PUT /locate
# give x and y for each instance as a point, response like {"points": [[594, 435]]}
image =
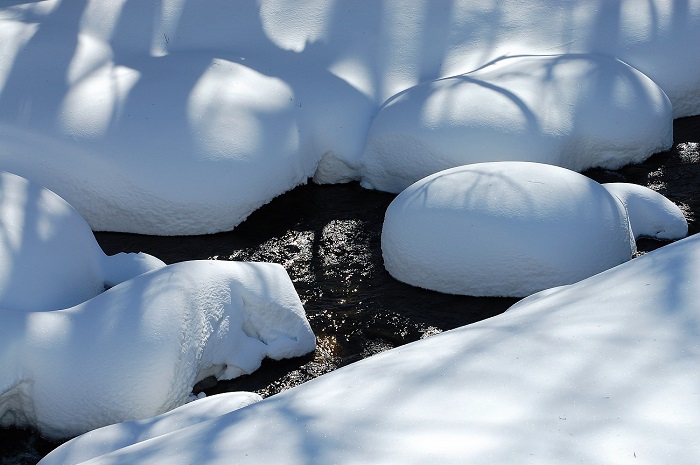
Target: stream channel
{"points": [[328, 239]]}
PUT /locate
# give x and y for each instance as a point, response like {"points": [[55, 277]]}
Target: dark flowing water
{"points": [[328, 239]]}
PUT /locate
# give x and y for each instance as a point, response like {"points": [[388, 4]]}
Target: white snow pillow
{"points": [[508, 229], [575, 111], [137, 349]]}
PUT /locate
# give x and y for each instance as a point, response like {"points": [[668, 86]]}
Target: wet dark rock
{"points": [[23, 446]]}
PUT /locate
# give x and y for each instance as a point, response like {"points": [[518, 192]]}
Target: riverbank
{"points": [[328, 239]]}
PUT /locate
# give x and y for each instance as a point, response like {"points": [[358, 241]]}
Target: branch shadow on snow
{"points": [[557, 368], [579, 393], [156, 62], [18, 104]]}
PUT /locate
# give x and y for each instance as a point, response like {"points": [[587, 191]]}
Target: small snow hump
{"points": [[651, 214]]}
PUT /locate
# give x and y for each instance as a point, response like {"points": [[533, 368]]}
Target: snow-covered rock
{"points": [[182, 118], [504, 229], [601, 371], [137, 349], [110, 438], [228, 132], [74, 357], [49, 258], [574, 111], [651, 214], [515, 228]]}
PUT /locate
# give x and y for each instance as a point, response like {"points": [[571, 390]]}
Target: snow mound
{"points": [[137, 349], [183, 119], [601, 371], [123, 266], [651, 214], [504, 229], [113, 437], [49, 259], [235, 137], [574, 111]]}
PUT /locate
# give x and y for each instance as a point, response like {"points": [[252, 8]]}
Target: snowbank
{"points": [[116, 106], [651, 214], [121, 435], [574, 111], [137, 349], [49, 259], [228, 130], [504, 229], [602, 371]]}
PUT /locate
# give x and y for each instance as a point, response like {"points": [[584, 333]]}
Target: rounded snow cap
{"points": [[504, 229]]}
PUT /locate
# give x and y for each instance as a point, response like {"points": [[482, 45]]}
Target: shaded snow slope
{"points": [[504, 229], [574, 111], [49, 258], [120, 435], [137, 349], [602, 371], [118, 105]]}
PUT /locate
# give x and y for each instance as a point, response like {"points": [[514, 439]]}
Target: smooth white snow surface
{"points": [[651, 214], [110, 438], [49, 258], [504, 229], [602, 371], [183, 117], [137, 349], [574, 111]]}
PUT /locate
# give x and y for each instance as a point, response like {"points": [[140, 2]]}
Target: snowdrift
{"points": [[121, 435], [137, 349], [602, 371], [74, 357], [184, 117], [515, 228], [573, 111], [651, 214]]}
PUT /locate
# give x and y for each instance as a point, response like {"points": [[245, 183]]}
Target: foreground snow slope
{"points": [[117, 105], [515, 228], [137, 349], [602, 371], [120, 435]]}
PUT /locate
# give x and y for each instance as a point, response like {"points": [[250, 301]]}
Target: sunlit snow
{"points": [[137, 349], [74, 356], [184, 117], [504, 229], [121, 435], [651, 214], [602, 371]]}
